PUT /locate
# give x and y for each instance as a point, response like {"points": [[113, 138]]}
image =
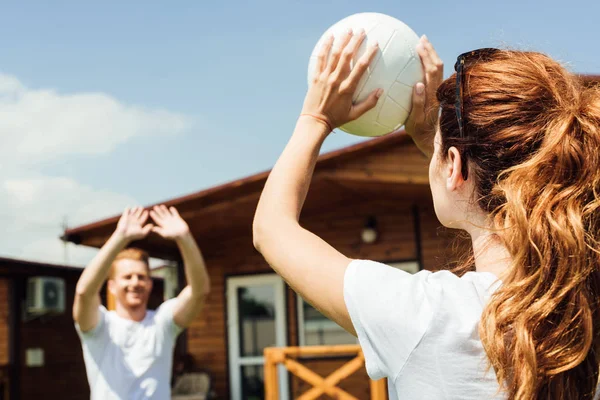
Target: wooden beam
{"points": [[379, 389], [271, 384], [320, 385], [372, 177], [274, 356], [332, 380], [225, 205], [296, 351]]}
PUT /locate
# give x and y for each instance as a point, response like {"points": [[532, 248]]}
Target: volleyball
{"points": [[395, 69]]}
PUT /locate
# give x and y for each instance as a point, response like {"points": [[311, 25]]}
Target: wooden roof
{"points": [[389, 167], [12, 267], [591, 79]]}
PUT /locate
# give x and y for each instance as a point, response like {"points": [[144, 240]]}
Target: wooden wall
{"points": [[396, 163], [63, 374]]}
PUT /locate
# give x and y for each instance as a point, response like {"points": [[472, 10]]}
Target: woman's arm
{"points": [[307, 263]]}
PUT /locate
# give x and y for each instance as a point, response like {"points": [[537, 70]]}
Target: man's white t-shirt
{"points": [[421, 330], [126, 359]]}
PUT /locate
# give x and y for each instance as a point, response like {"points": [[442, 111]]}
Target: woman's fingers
{"points": [[433, 67], [331, 93], [361, 66], [433, 77], [426, 60], [348, 54], [365, 105], [417, 113], [337, 52], [435, 58], [324, 54]]}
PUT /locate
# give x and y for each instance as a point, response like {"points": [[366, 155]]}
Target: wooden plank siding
{"points": [[62, 376], [404, 164], [63, 373], [386, 178]]}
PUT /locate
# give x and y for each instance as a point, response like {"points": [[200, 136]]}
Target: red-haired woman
{"points": [[515, 163]]}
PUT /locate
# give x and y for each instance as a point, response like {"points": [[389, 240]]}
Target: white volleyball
{"points": [[396, 69]]}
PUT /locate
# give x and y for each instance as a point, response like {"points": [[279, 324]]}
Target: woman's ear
{"points": [[453, 167]]}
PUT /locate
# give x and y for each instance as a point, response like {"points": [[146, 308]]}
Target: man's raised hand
{"points": [[132, 224], [169, 223]]}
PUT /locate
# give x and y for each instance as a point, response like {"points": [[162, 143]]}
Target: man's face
{"points": [[131, 284]]}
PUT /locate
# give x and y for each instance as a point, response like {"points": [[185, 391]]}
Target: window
{"points": [[408, 266], [314, 329]]}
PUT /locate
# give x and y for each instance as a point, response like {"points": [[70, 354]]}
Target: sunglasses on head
{"points": [[462, 62]]}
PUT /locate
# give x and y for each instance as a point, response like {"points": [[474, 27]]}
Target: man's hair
{"points": [[134, 254]]}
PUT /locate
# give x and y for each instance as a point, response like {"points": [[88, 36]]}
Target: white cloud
{"points": [[38, 125], [33, 210], [41, 124]]}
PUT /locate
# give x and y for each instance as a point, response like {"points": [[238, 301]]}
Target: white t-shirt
{"points": [[421, 331], [126, 359]]}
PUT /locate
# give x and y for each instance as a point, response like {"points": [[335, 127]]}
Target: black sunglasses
{"points": [[460, 65], [461, 62]]}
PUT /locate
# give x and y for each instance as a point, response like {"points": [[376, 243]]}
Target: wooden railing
{"points": [[287, 356]]}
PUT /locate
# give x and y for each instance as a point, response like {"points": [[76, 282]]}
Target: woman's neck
{"points": [[489, 252]]}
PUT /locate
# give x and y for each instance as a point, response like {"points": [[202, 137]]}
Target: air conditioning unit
{"points": [[45, 295]]}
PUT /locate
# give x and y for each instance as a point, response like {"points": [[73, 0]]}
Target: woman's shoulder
{"points": [[439, 287], [434, 277]]}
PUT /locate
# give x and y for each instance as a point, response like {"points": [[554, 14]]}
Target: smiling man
{"points": [[128, 352]]}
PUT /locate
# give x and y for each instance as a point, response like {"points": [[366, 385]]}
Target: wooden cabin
{"points": [[371, 200]]}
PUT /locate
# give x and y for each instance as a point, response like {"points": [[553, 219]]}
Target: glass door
{"points": [[256, 319]]}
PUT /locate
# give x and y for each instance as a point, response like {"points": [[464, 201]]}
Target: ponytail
{"points": [[536, 165]]}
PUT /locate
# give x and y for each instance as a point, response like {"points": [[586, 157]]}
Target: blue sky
{"points": [[229, 78]]}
